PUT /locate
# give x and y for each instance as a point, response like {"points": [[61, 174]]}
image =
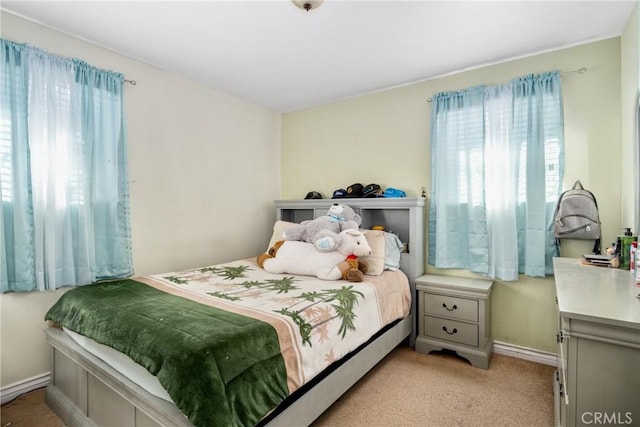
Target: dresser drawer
{"points": [[452, 307], [451, 330]]}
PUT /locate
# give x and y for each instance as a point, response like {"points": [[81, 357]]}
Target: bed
{"points": [[313, 339]]}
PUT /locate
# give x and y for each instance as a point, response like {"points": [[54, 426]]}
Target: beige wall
{"points": [[204, 167], [384, 138]]}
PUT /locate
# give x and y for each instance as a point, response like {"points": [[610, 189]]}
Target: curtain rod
{"points": [[566, 73], [578, 71], [132, 82]]}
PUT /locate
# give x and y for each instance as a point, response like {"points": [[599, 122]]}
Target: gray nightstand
{"points": [[455, 313]]}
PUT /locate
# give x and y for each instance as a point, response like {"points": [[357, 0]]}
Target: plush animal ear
{"points": [[351, 215], [352, 232]]}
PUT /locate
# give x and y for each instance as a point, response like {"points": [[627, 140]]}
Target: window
{"points": [[496, 172], [63, 173]]}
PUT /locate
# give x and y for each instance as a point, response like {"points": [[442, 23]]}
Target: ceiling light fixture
{"points": [[307, 4]]}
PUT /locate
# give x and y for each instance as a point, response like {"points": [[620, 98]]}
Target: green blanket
{"points": [[220, 368]]}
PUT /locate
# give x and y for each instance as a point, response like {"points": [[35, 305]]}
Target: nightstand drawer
{"points": [[453, 307], [451, 330]]}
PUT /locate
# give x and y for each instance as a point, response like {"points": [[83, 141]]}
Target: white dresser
{"points": [[598, 376]]}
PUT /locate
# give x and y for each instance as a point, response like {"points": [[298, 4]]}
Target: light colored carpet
{"points": [[405, 389], [440, 389]]}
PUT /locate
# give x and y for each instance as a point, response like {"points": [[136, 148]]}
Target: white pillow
{"points": [[385, 251], [278, 229], [376, 240]]}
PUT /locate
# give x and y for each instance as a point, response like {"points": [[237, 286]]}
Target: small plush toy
{"points": [[323, 231], [297, 257], [353, 269]]}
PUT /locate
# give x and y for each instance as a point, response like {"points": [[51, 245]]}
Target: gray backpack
{"points": [[577, 216]]}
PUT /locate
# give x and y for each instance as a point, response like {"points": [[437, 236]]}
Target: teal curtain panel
{"points": [[63, 172], [496, 174]]}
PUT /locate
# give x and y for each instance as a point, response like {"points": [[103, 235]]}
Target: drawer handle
{"points": [[444, 305], [455, 331]]}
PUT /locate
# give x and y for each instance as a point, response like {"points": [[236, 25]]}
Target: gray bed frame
{"points": [[86, 391]]}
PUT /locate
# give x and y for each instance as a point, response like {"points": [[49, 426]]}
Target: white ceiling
{"points": [[283, 58]]}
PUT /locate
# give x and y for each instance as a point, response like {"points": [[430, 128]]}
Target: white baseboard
{"points": [[525, 353], [10, 392]]}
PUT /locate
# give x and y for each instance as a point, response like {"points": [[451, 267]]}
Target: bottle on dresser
{"points": [[636, 271]]}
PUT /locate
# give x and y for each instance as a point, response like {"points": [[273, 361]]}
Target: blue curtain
{"points": [[496, 174], [457, 218], [65, 216], [17, 267]]}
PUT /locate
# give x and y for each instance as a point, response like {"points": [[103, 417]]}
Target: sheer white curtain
{"points": [[501, 166], [62, 252]]}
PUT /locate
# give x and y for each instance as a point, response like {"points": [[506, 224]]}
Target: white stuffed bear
{"points": [[302, 258], [323, 231]]}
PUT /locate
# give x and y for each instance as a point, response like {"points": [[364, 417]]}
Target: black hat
{"points": [[313, 195], [372, 190], [354, 190], [340, 193]]}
